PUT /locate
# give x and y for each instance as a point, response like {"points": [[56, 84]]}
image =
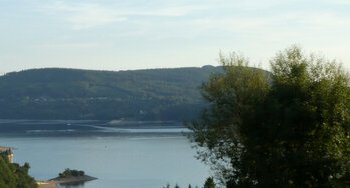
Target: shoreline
{"points": [[53, 183], [68, 180], [46, 184]]}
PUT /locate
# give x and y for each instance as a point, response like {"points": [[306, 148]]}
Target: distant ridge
{"points": [[58, 93]]}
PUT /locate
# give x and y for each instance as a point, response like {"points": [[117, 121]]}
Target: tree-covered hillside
{"points": [[157, 94]]}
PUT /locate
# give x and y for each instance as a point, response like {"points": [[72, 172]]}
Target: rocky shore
{"points": [[53, 183]]}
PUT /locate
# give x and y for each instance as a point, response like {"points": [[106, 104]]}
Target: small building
{"points": [[7, 152]]}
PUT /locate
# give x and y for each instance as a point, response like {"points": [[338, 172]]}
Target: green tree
{"points": [[287, 128], [209, 183], [71, 173], [14, 175]]}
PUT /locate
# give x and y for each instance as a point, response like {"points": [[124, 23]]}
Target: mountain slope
{"points": [[156, 94]]}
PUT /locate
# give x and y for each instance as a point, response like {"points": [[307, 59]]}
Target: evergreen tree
{"points": [[209, 183]]}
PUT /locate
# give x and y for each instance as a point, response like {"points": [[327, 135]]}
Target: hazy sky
{"points": [[138, 34]]}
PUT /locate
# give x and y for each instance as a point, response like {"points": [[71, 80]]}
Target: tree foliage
{"points": [[14, 175], [71, 173], [209, 183], [287, 128]]}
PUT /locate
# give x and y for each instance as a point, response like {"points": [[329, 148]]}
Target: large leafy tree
{"points": [[287, 128], [13, 175]]}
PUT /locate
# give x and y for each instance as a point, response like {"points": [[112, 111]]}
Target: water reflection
{"points": [[72, 185]]}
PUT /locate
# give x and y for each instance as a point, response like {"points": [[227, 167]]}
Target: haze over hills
{"points": [[54, 93]]}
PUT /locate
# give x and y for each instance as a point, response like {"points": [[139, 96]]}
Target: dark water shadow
{"points": [[71, 185]]}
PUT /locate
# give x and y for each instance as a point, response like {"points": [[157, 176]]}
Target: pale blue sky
{"points": [[138, 34]]}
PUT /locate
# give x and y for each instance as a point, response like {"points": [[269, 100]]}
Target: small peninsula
{"points": [[68, 176]]}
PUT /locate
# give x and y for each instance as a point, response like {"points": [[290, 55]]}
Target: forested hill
{"points": [[156, 94]]}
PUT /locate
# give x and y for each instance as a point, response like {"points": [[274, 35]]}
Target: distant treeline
{"points": [[156, 94]]}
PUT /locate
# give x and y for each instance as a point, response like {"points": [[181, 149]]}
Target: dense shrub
{"points": [[14, 175], [71, 173]]}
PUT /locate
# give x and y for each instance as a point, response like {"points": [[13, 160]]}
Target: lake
{"points": [[138, 156]]}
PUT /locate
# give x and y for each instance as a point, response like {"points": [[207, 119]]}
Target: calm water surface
{"points": [[119, 161]]}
